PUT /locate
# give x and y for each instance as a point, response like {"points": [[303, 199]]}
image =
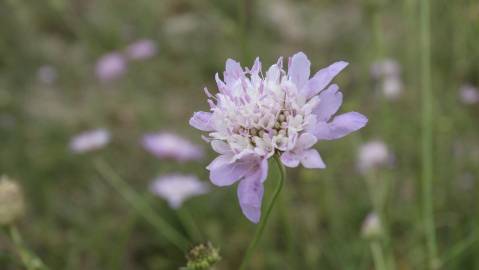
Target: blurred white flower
{"points": [[469, 94], [169, 145], [12, 205], [387, 74], [141, 49], [372, 155], [90, 140], [110, 66], [372, 226], [47, 74], [177, 188], [392, 87], [384, 68]]}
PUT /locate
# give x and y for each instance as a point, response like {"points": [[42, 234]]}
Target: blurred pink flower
{"points": [[372, 155], [142, 49], [371, 227], [90, 140], [111, 66], [469, 94], [169, 145], [176, 188]]}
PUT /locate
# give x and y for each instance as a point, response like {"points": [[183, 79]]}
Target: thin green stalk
{"points": [[265, 216], [427, 142], [29, 260], [459, 249], [140, 205], [378, 255], [189, 223]]}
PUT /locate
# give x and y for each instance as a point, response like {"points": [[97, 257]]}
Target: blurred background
{"points": [[86, 80]]}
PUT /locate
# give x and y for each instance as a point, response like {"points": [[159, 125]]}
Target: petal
{"points": [[329, 102], [202, 121], [226, 174], [312, 160], [341, 126], [299, 69], [306, 140], [250, 192], [220, 147], [233, 71], [323, 77], [289, 160]]}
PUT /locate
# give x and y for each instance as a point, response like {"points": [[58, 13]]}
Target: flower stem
{"points": [[265, 217], [427, 126], [140, 205], [29, 260], [189, 223], [378, 256]]}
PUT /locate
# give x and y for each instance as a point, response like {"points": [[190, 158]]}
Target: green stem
{"points": [[140, 205], [264, 218], [427, 126], [29, 260], [378, 256], [189, 223]]}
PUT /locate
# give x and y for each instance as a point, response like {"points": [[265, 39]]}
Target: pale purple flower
{"points": [[90, 140], [177, 188], [168, 145], [47, 74], [387, 74], [256, 115], [469, 94], [372, 226], [373, 154], [111, 66], [141, 50]]}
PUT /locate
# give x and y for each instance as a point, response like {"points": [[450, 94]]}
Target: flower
{"points": [[372, 155], [387, 74], [169, 145], [12, 205], [176, 188], [90, 140], [141, 49], [255, 116], [47, 74], [110, 66], [372, 227], [469, 94]]}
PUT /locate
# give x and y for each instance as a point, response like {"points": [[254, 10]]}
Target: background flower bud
{"points": [[202, 257], [372, 227], [11, 201]]}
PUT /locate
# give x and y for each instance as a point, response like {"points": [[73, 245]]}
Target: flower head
{"points": [[169, 145], [387, 74], [141, 49], [12, 204], [176, 188], [372, 155], [469, 94], [111, 66], [372, 227], [202, 257], [90, 140], [256, 115]]}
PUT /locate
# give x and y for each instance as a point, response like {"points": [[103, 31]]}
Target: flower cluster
{"points": [[176, 188], [256, 115]]}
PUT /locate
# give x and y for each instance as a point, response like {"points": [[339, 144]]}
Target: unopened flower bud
{"points": [[372, 227], [11, 201], [202, 257]]}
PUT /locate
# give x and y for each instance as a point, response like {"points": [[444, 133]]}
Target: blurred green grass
{"points": [[76, 221]]}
